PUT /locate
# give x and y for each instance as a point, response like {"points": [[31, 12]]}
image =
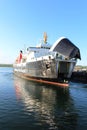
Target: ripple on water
{"points": [[27, 105]]}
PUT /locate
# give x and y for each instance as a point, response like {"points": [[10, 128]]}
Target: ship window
{"points": [[46, 47], [57, 55]]}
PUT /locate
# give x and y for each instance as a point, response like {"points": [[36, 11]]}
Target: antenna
{"points": [[24, 49]]}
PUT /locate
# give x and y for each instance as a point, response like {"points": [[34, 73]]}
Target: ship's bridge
{"points": [[38, 51], [44, 45]]}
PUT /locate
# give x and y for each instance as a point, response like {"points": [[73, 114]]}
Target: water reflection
{"points": [[52, 107]]}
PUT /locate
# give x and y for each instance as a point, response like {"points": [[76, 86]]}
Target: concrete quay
{"points": [[79, 76]]}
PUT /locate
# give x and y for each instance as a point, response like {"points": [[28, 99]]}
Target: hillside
{"points": [[6, 65]]}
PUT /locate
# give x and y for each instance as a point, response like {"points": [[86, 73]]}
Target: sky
{"points": [[23, 22]]}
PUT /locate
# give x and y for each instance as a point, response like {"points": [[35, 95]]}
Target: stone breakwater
{"points": [[79, 76]]}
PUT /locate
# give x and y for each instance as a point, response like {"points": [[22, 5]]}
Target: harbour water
{"points": [[26, 105]]}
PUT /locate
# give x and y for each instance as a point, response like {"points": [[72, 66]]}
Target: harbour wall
{"points": [[79, 76]]}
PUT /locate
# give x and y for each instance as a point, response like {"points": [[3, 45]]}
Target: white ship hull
{"points": [[54, 69]]}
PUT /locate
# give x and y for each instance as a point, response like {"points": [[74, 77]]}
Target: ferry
{"points": [[48, 63]]}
